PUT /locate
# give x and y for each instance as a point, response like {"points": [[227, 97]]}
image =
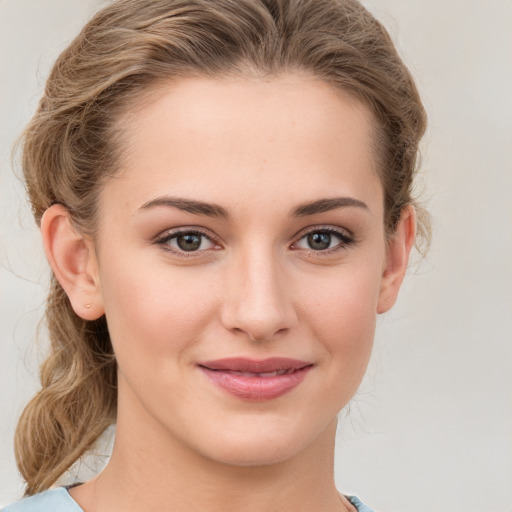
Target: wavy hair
{"points": [[72, 145]]}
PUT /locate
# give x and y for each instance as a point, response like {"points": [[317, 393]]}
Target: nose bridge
{"points": [[258, 302]]}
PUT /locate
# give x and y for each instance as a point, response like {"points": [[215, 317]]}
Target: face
{"points": [[240, 261]]}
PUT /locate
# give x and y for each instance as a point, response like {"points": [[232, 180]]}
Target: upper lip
{"points": [[242, 364]]}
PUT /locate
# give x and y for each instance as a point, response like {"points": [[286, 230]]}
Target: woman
{"points": [[224, 195]]}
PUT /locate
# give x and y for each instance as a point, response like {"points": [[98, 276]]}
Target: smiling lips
{"points": [[256, 380]]}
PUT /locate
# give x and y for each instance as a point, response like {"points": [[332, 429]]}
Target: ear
{"points": [[397, 258], [73, 262]]}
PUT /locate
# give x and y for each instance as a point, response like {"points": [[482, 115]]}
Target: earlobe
{"points": [[73, 261], [397, 258]]}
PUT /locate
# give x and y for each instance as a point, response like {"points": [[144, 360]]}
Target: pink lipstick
{"points": [[258, 380]]}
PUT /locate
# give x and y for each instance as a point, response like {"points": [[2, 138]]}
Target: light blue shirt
{"points": [[59, 500]]}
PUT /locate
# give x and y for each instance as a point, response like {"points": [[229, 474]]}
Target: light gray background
{"points": [[431, 427]]}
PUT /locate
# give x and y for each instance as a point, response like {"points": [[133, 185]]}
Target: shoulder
{"points": [[59, 500], [53, 500], [360, 506]]}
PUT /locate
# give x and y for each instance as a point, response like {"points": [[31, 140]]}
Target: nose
{"points": [[258, 298]]}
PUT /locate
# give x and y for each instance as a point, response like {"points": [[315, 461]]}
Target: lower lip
{"points": [[254, 387]]}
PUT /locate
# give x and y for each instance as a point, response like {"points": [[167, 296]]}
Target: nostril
{"points": [[259, 309]]}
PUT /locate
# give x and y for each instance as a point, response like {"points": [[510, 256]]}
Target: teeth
{"points": [[263, 374]]}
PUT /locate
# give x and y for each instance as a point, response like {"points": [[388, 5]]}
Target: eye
{"points": [[324, 240], [186, 241]]}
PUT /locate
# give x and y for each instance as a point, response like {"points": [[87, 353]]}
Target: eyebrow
{"points": [[187, 205], [325, 205], [214, 210]]}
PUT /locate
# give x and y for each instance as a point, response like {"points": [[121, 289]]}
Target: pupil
{"points": [[189, 242], [319, 241]]}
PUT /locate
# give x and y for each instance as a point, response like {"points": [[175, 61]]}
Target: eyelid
{"points": [[346, 238], [169, 234]]}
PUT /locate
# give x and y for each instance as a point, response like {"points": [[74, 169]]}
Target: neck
{"points": [[151, 470]]}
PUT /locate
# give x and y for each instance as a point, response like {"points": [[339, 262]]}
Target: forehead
{"points": [[223, 139]]}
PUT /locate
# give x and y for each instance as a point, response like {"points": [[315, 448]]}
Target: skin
{"points": [[259, 150]]}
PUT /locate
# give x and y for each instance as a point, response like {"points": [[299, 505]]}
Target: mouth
{"points": [[256, 380]]}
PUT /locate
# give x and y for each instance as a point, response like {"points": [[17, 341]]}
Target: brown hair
{"points": [[70, 147]]}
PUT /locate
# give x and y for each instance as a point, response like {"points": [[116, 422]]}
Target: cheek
{"points": [[151, 310], [342, 314]]}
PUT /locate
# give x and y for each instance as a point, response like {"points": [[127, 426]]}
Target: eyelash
{"points": [[345, 240], [164, 240]]}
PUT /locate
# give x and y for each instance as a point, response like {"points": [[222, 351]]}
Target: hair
{"points": [[72, 145]]}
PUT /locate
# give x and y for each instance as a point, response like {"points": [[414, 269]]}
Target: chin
{"points": [[257, 455], [264, 447]]}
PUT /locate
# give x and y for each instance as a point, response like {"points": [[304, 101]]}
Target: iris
{"points": [[319, 240]]}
